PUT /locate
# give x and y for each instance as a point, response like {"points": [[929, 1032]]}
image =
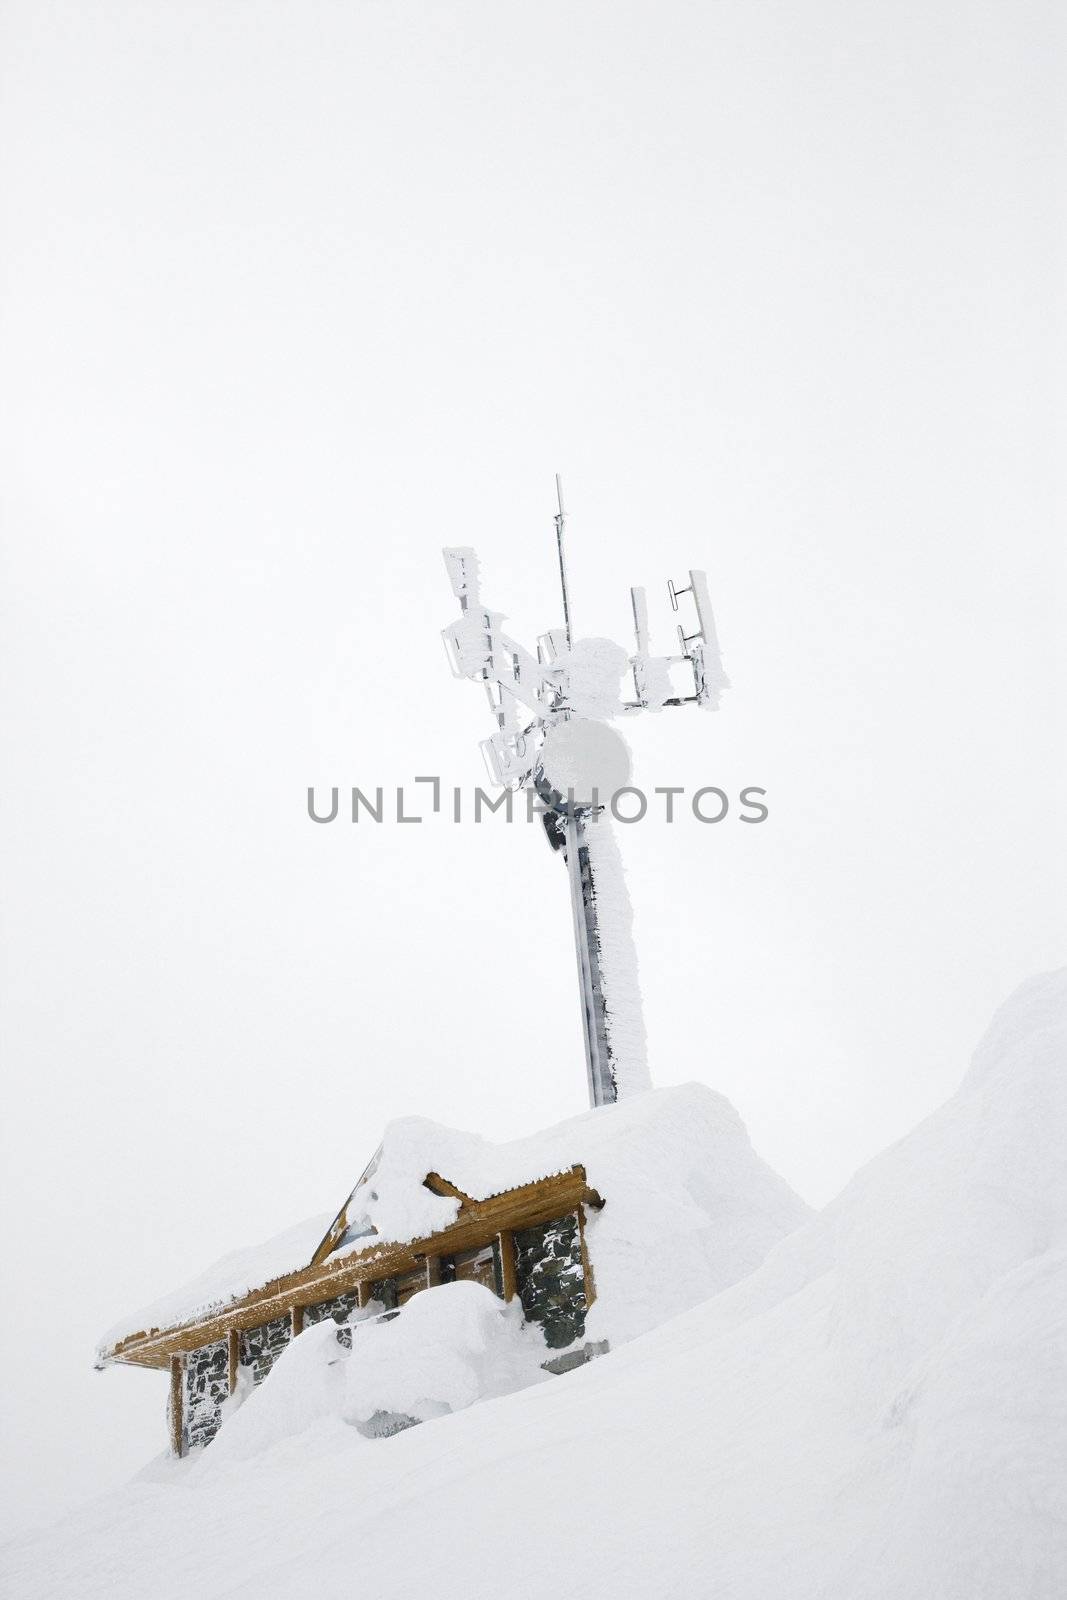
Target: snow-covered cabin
{"points": [[599, 1228]]}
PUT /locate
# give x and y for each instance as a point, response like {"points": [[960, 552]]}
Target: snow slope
{"points": [[876, 1413]]}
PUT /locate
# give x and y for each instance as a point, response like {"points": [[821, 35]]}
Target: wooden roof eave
{"points": [[336, 1231], [478, 1223]]}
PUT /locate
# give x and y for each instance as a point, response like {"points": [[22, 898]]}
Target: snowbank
{"points": [[877, 1413], [446, 1350], [686, 1195], [930, 1226], [306, 1386]]}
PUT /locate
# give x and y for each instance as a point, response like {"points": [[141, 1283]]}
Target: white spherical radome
{"points": [[586, 757]]}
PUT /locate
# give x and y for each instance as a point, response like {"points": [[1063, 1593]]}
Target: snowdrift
{"points": [[442, 1353], [876, 1413]]}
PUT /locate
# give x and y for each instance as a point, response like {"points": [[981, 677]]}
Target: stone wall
{"points": [[207, 1385], [340, 1309], [384, 1291], [550, 1279], [260, 1347]]}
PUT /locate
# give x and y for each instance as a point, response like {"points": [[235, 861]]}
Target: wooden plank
{"points": [[476, 1266], [177, 1398], [587, 1265], [441, 1186], [412, 1283], [433, 1271], [506, 1245], [516, 1208]]}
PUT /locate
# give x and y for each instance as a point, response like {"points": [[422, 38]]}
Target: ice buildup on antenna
{"points": [[552, 711]]}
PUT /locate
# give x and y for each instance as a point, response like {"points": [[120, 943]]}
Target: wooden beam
{"points": [[474, 1228], [448, 1191], [433, 1271], [336, 1231], [177, 1385], [505, 1240], [587, 1265], [296, 1320], [233, 1357]]}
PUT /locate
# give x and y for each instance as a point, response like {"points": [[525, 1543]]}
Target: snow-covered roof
{"points": [[228, 1279], [675, 1166]]}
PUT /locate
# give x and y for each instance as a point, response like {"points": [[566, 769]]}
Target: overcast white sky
{"points": [[293, 295]]}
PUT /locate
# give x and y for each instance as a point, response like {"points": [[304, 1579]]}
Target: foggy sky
{"points": [[295, 294]]}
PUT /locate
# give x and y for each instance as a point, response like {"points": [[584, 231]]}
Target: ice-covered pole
{"points": [[616, 1052]]}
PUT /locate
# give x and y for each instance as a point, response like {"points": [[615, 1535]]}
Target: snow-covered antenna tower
{"points": [[552, 713]]}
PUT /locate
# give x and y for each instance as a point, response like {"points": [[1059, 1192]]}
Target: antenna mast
{"points": [[553, 712], [561, 521]]}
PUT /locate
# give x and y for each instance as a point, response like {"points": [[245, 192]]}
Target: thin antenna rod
{"points": [[561, 518]]}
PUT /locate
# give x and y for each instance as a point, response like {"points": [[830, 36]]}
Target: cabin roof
{"points": [[408, 1192], [683, 1184], [353, 1271]]}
